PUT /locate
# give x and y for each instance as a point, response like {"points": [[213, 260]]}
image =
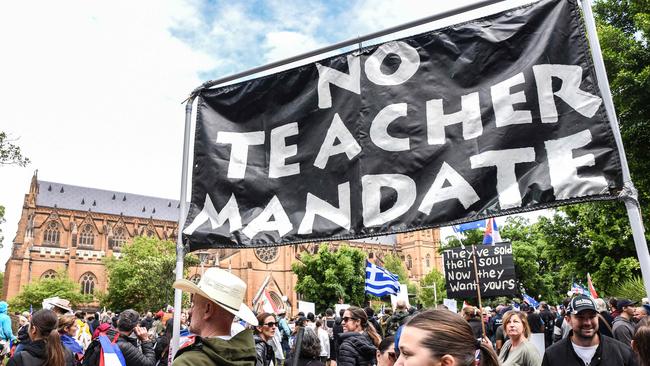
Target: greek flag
{"points": [[380, 282]]}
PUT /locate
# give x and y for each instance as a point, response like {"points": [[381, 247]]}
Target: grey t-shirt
{"points": [[526, 354]]}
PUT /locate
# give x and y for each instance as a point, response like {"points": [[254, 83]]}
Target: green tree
{"points": [[61, 285], [10, 153], [142, 277], [331, 276], [468, 238], [395, 265], [426, 294], [2, 220]]}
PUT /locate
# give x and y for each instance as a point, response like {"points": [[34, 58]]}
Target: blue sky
{"points": [[92, 90]]}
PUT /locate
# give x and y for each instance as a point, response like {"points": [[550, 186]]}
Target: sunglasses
{"points": [[271, 324], [347, 319]]}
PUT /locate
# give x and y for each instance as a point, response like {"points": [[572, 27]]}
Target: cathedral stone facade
{"points": [[66, 227]]}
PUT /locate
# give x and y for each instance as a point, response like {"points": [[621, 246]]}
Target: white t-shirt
{"points": [[324, 342], [585, 353]]}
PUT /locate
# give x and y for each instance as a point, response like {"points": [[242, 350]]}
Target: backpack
{"points": [[395, 321]]}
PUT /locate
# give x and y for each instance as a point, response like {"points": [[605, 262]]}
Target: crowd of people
{"points": [[219, 329]]}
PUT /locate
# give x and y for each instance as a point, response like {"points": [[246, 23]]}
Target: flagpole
{"points": [[629, 194], [180, 252], [478, 288]]}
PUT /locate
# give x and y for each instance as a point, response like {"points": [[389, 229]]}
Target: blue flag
{"points": [[469, 226], [531, 301], [379, 281]]}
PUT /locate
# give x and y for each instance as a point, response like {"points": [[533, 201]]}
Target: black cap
{"points": [[581, 303], [623, 303]]}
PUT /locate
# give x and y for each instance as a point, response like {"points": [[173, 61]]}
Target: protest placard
{"points": [[495, 269]]}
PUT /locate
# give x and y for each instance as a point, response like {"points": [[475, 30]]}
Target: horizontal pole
{"points": [[350, 42]]}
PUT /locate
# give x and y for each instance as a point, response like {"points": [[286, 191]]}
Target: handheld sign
{"points": [[496, 271]]}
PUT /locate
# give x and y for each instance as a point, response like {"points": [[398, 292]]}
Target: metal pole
{"points": [[628, 195], [298, 347], [350, 42], [435, 294], [180, 252]]}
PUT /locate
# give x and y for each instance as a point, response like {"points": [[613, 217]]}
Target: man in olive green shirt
{"points": [[216, 300]]}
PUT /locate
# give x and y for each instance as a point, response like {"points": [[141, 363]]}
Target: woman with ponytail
{"points": [[440, 337], [359, 340], [45, 348]]}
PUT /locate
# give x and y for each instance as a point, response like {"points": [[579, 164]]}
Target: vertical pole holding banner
{"points": [[628, 194], [298, 347], [435, 294], [180, 252], [478, 289]]}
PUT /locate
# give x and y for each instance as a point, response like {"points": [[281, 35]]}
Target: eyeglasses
{"points": [[271, 324], [347, 319]]}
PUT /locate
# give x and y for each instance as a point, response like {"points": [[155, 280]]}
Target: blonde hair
{"points": [[522, 316], [66, 321]]}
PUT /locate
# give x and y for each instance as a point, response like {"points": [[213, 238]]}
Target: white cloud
{"points": [[281, 45], [93, 90]]}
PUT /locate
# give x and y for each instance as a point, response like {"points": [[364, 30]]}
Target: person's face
{"points": [[584, 324], [514, 327], [196, 313], [639, 313], [183, 318], [72, 330], [388, 357], [412, 353], [350, 323], [268, 327], [629, 310]]}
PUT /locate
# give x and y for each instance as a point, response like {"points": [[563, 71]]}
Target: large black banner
{"points": [[495, 268], [494, 116]]}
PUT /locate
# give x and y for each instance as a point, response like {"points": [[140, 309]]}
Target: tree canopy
{"points": [[331, 276], [395, 265], [10, 153], [33, 294], [142, 277], [427, 293]]}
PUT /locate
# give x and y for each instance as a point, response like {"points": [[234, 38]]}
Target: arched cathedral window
{"points": [[48, 275], [87, 236], [51, 234], [428, 260], [119, 238], [88, 282], [409, 262]]}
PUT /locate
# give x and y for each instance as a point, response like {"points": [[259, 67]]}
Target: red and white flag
{"points": [[269, 306], [592, 289]]}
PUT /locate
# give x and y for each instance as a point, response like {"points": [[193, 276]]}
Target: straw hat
{"points": [[224, 289]]}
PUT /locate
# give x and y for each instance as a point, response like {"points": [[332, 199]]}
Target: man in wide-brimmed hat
{"points": [[216, 300]]}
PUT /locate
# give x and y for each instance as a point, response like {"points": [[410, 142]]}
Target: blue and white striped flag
{"points": [[380, 282]]}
